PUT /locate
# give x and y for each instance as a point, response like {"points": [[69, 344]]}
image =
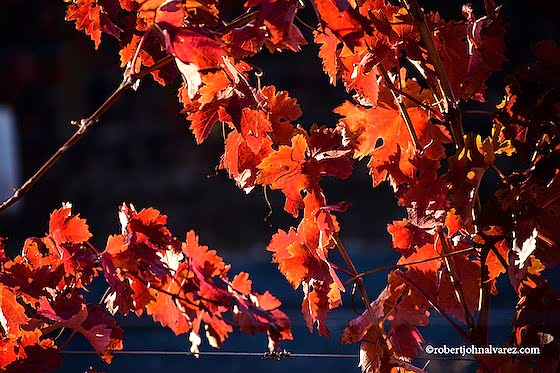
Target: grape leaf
{"points": [[328, 52], [92, 17], [345, 22], [282, 111], [278, 17], [364, 128], [12, 314], [470, 53], [283, 168], [301, 256], [240, 161], [26, 353], [183, 285]]}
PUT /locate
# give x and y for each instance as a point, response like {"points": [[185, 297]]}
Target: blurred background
{"points": [[142, 152]]}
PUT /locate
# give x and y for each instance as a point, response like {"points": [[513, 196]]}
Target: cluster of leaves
{"points": [[409, 73], [182, 285]]}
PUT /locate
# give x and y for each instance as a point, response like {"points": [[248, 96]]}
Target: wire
{"points": [[276, 355], [219, 353]]}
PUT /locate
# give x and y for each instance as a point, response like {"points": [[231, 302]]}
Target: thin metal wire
{"points": [[214, 353], [248, 354]]}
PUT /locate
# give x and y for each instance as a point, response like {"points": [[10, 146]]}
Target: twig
{"points": [[434, 304], [483, 310], [479, 112], [306, 25], [139, 48], [361, 288], [403, 111], [417, 14], [392, 87], [502, 260], [375, 323], [97, 253], [240, 21], [454, 279], [499, 172], [404, 265], [406, 365], [63, 344], [336, 266], [84, 126]]}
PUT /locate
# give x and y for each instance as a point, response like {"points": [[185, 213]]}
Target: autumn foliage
{"points": [[408, 74]]}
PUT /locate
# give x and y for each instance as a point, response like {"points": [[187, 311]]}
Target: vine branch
{"points": [[455, 281], [483, 301], [434, 304], [404, 265], [417, 14], [360, 284], [423, 105], [84, 125], [403, 111]]}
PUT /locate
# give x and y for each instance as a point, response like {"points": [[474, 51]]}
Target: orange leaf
{"points": [[282, 169]]}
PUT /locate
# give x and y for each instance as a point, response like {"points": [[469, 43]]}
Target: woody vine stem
{"points": [[83, 126]]}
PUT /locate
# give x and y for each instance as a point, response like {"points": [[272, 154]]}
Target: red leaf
{"points": [[302, 260], [242, 283], [405, 340], [255, 128], [245, 41], [166, 310], [91, 321], [240, 161], [189, 44], [12, 314], [65, 227], [366, 127], [91, 17], [318, 300], [203, 120], [102, 332], [194, 46], [26, 353], [3, 257], [278, 17], [283, 110], [425, 276], [206, 260], [470, 53], [345, 22], [373, 357], [328, 52], [292, 257], [282, 169], [407, 237]]}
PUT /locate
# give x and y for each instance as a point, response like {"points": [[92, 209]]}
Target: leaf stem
{"points": [[392, 87], [84, 126], [67, 340], [455, 282], [361, 288], [417, 14], [483, 311], [344, 270], [479, 112], [399, 266], [403, 111], [240, 21], [434, 304]]}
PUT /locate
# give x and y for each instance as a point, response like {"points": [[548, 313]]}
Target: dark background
{"points": [[142, 152]]}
